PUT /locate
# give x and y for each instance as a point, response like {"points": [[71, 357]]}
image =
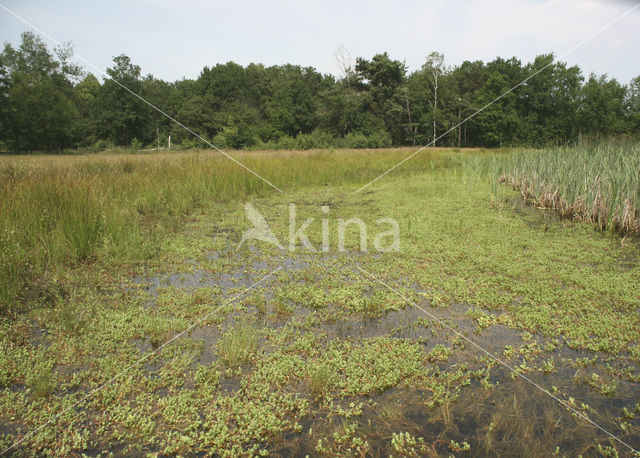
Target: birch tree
{"points": [[435, 68]]}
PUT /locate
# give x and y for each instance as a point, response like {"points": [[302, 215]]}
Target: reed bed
{"points": [[598, 183]]}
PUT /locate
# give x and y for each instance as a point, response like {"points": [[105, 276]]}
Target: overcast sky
{"points": [[176, 38]]}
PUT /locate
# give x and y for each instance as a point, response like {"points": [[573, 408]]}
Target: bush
{"points": [[378, 139], [284, 142], [193, 143], [102, 145], [355, 140], [316, 139], [136, 144]]}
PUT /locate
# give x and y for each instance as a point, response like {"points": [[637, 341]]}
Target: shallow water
{"points": [[526, 420], [512, 417]]}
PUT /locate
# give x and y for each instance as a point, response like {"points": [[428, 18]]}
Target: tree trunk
{"points": [[435, 103], [459, 129], [411, 129]]}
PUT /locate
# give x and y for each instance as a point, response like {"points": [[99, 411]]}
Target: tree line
{"points": [[51, 104]]}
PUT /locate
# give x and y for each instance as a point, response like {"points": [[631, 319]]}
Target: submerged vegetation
{"points": [[105, 258]]}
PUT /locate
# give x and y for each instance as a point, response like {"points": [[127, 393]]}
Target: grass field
{"points": [[104, 258]]}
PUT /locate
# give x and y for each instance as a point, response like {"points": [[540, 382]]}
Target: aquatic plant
{"points": [[598, 183], [236, 346]]}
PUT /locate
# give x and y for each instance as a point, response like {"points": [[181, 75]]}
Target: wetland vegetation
{"points": [[104, 258]]}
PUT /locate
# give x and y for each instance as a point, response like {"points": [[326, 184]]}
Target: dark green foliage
{"points": [[602, 107], [633, 103], [382, 79], [39, 107], [123, 117], [49, 105]]}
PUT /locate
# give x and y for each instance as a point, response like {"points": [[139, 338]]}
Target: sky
{"points": [[172, 39]]}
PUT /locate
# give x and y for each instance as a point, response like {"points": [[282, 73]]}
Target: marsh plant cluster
{"points": [[105, 258], [298, 235]]}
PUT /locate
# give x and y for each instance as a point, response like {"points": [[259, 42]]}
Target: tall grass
{"points": [[598, 183], [58, 211]]}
